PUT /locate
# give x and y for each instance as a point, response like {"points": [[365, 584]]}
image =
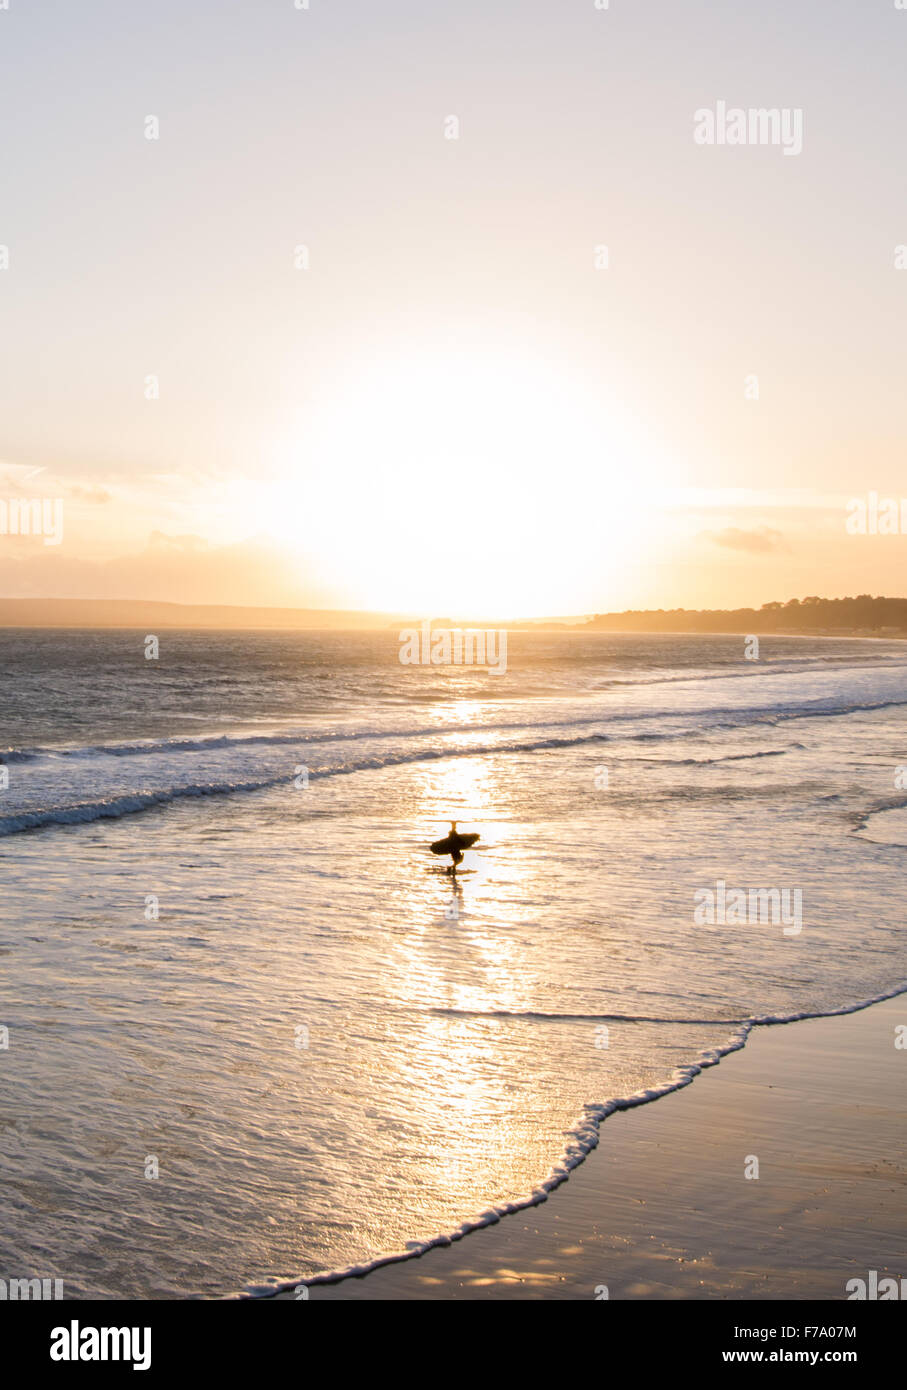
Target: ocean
{"points": [[255, 1030]]}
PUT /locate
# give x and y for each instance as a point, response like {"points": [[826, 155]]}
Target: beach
{"points": [[453, 717], [662, 1208], [257, 1032]]}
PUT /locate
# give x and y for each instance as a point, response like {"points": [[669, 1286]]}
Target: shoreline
{"points": [[662, 1207]]}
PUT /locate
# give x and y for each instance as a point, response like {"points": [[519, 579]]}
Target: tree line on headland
{"points": [[863, 615]]}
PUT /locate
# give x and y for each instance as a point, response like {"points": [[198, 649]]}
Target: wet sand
{"points": [[663, 1207]]}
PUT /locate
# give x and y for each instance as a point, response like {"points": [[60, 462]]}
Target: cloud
{"points": [[761, 541], [184, 545], [88, 494], [20, 480], [174, 568]]}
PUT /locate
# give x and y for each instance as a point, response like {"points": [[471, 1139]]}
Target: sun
{"points": [[460, 485]]}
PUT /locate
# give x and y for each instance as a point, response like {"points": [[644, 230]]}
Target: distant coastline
{"points": [[863, 616]]}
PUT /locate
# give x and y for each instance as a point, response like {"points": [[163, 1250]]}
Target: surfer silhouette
{"points": [[454, 845]]}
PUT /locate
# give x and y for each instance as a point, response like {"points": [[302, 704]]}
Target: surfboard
{"points": [[452, 842]]}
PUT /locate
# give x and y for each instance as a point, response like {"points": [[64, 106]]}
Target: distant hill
{"points": [[823, 617], [150, 615], [863, 616]]}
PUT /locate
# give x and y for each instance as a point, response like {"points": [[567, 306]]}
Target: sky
{"points": [[307, 348]]}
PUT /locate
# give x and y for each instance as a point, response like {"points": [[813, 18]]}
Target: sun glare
{"points": [[461, 487]]}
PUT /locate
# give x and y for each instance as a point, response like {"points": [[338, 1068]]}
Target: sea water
{"points": [[255, 1032]]}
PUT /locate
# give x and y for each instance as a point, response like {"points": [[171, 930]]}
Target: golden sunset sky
{"points": [[451, 409]]}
